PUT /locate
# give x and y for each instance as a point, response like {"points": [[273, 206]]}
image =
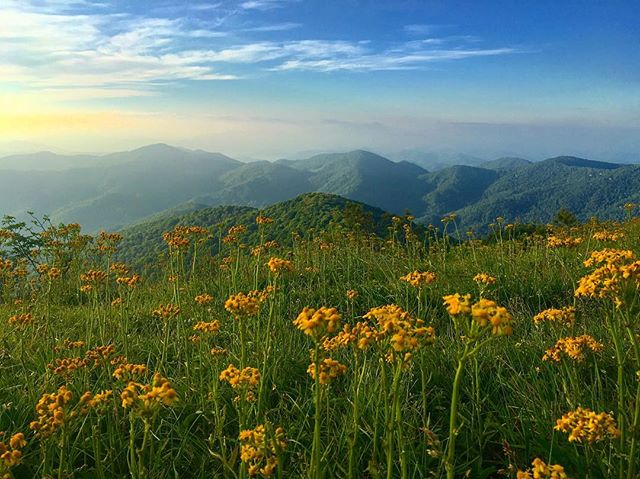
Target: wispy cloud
{"points": [[51, 45], [361, 56], [87, 47], [276, 27], [263, 4]]}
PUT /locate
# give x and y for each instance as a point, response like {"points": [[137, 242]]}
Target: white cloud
{"points": [[56, 44], [276, 27], [386, 61], [326, 56], [262, 4], [50, 45]]}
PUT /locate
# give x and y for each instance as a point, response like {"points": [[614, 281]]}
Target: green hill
{"points": [[367, 177], [536, 192], [316, 212], [454, 188]]}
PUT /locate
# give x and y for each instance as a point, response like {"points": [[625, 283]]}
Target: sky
{"points": [[278, 78]]}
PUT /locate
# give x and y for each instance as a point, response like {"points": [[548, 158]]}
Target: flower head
{"points": [[419, 279], [260, 448], [541, 470], [573, 348], [584, 425], [317, 323], [457, 304], [329, 369], [485, 279], [566, 316], [278, 265]]}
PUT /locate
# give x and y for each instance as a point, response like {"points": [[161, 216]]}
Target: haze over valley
{"points": [[114, 190]]}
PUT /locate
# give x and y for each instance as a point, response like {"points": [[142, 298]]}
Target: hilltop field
{"points": [[320, 339]]}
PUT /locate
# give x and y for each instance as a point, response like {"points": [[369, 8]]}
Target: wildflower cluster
{"points": [[11, 453], [168, 311], [540, 470], [608, 235], [609, 256], [93, 276], [457, 304], [486, 312], [484, 278], [207, 327], [93, 357], [53, 412], [268, 245], [203, 299], [22, 319], [99, 354], [244, 305], [278, 265], [584, 425], [566, 316], [130, 281], [51, 272], [146, 399], [91, 279], [419, 279], [245, 380], [66, 366], [260, 449], [234, 233], [108, 242], [6, 265], [574, 348], [98, 402], [612, 276], [317, 323], [392, 325], [127, 371], [181, 236], [329, 369], [563, 242]]}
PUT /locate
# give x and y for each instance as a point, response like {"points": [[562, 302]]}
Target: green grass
{"points": [[509, 398]]}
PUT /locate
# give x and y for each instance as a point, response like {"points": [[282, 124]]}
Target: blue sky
{"points": [[269, 78]]}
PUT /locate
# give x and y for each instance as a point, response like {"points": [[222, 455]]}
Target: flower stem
{"points": [[453, 416]]}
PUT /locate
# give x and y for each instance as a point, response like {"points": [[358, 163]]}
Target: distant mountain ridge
{"points": [[112, 191]]}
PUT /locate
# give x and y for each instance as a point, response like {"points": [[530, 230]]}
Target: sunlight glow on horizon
{"points": [[268, 79]]}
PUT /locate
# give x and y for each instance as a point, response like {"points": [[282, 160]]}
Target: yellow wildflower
{"points": [[566, 315], [541, 470], [278, 265], [573, 348], [203, 299], [483, 278], [241, 305], [318, 322], [419, 279], [260, 448], [329, 369], [584, 425], [457, 304]]}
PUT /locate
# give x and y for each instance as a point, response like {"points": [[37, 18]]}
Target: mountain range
{"points": [[116, 190]]}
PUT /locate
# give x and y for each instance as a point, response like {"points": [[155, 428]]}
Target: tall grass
{"points": [[450, 409]]}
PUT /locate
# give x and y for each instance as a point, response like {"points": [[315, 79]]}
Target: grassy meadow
{"points": [[343, 355]]}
